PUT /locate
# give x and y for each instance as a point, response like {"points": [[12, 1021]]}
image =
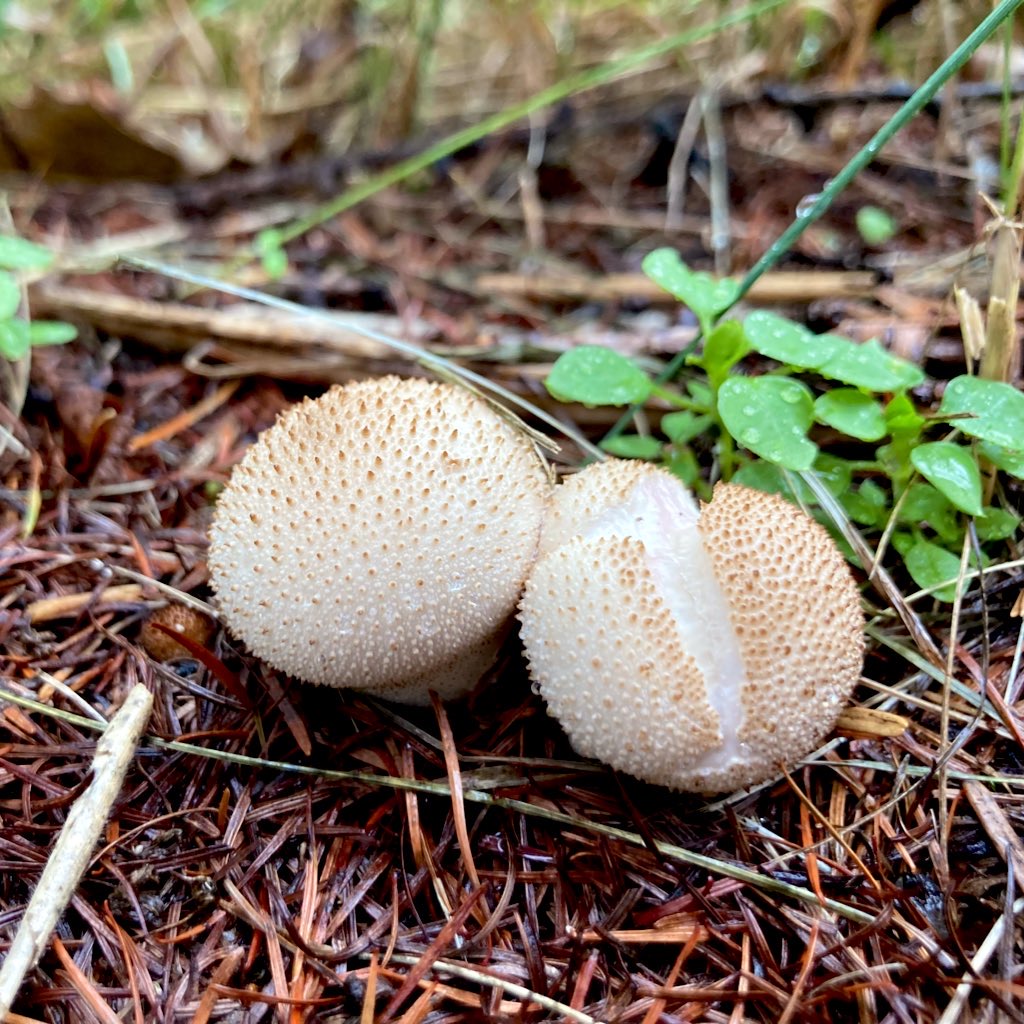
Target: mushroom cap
{"points": [[378, 537], [692, 649]]}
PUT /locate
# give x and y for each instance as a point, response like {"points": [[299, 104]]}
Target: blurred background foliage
{"points": [[166, 87]]}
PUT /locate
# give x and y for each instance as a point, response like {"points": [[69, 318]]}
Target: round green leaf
{"points": [[997, 524], [787, 342], [869, 366], [834, 472], [902, 418], [771, 417], [705, 295], [951, 469], [1009, 460], [851, 412], [597, 376], [700, 393], [681, 427], [272, 254], [930, 565], [868, 505], [632, 446], [763, 476], [682, 462], [18, 254], [10, 296], [723, 348], [997, 408], [876, 226], [924, 505], [14, 339], [50, 332]]}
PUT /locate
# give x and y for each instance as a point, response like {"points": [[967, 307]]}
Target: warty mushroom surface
{"points": [[696, 648], [378, 537]]}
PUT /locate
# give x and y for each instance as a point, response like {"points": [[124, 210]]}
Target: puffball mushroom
{"points": [[378, 538], [695, 648]]}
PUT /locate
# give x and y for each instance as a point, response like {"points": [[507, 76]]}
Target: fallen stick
{"points": [[73, 850], [779, 286]]}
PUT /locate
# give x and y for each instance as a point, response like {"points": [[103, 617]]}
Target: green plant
{"points": [[875, 226], [17, 335], [924, 477]]}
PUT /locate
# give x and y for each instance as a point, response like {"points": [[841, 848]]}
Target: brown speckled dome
{"points": [[696, 650], [378, 537]]}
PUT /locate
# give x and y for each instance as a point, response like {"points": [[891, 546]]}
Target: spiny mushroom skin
{"points": [[693, 648], [378, 538]]}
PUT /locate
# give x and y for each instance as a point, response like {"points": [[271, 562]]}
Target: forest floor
{"points": [[289, 853]]}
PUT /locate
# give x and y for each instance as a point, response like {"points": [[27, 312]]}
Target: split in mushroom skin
{"points": [[378, 538], [695, 649]]}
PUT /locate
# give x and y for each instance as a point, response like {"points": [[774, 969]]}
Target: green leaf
{"points": [[835, 473], [868, 505], [998, 409], [50, 332], [771, 417], [10, 296], [930, 565], [997, 524], [903, 542], [905, 424], [876, 227], [764, 476], [952, 470], [632, 446], [274, 263], [597, 376], [19, 254], [1009, 460], [723, 349], [902, 418], [772, 479], [700, 393], [851, 412], [705, 295], [272, 254], [869, 366], [683, 463], [14, 339], [787, 342], [925, 505], [681, 427]]}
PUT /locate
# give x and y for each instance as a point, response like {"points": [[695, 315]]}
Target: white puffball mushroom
{"points": [[378, 538], [695, 648]]}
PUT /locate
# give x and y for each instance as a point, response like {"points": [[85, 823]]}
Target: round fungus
{"points": [[692, 647], [378, 538]]}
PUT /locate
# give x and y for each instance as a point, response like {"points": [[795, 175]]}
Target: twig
{"points": [[467, 972], [48, 608], [680, 162], [780, 286], [718, 187], [73, 850], [985, 951]]}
